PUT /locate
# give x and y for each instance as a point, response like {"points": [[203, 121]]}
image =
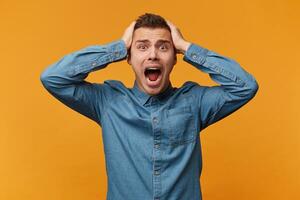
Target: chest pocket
{"points": [[181, 126]]}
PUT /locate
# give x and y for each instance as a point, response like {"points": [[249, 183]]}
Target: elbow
{"points": [[252, 88], [45, 78]]}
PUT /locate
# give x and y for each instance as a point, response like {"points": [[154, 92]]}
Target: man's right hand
{"points": [[179, 42], [127, 36]]}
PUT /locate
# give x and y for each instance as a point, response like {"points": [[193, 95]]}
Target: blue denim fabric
{"points": [[151, 143]]}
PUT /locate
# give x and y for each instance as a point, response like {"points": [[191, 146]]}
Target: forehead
{"points": [[152, 34]]}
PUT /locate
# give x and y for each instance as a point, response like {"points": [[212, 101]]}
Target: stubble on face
{"points": [[152, 48]]}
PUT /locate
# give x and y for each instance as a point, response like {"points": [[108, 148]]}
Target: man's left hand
{"points": [[179, 42]]}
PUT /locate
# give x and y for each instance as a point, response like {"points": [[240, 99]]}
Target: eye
{"points": [[164, 47], [142, 47]]}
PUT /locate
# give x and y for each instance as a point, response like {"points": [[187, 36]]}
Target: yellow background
{"points": [[50, 152]]}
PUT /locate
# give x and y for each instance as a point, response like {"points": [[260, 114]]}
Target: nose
{"points": [[153, 54]]}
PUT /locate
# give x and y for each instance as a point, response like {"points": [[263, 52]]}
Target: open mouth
{"points": [[152, 73]]}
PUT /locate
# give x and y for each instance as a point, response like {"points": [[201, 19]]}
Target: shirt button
{"points": [[194, 56], [156, 172], [218, 69], [94, 64], [116, 54], [155, 120], [156, 146]]}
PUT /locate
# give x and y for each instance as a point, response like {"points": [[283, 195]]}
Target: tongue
{"points": [[153, 76]]}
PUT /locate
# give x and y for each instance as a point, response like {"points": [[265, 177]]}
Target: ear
{"points": [[128, 59], [129, 56], [175, 59]]}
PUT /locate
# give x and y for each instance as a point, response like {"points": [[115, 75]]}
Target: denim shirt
{"points": [[151, 143]]}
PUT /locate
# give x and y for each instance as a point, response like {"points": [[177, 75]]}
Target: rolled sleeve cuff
{"points": [[196, 53], [117, 50]]}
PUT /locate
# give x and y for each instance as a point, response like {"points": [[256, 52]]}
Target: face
{"points": [[152, 59]]}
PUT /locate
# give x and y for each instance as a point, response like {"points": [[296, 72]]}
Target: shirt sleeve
{"points": [[64, 79], [236, 86]]}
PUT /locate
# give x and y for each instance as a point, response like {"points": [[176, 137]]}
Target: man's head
{"points": [[152, 54]]}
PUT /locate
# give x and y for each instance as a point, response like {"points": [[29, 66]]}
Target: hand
{"points": [[180, 44], [127, 36]]}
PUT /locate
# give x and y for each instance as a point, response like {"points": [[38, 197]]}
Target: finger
{"points": [[132, 24], [172, 26]]}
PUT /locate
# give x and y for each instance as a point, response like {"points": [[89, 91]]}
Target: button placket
{"points": [[155, 120], [156, 133], [156, 154]]}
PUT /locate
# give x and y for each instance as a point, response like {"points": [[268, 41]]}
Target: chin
{"points": [[153, 88], [153, 91]]}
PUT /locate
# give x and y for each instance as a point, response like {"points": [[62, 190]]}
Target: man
{"points": [[151, 131]]}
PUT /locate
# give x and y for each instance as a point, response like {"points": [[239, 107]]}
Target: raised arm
{"points": [[236, 88], [64, 79]]}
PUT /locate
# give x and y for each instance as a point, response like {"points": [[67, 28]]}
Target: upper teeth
{"points": [[153, 68]]}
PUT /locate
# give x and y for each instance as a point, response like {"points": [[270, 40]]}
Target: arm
{"points": [[64, 79], [236, 88]]}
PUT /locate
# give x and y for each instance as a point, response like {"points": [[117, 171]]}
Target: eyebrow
{"points": [[159, 41]]}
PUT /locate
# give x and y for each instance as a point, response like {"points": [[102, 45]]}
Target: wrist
{"points": [[184, 47], [127, 44]]}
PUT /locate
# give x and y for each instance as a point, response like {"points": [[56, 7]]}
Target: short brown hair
{"points": [[150, 20]]}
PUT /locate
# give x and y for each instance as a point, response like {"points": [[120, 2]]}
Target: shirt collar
{"points": [[145, 98]]}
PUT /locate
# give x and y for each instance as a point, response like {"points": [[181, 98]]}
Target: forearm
{"points": [[236, 87], [65, 78], [75, 67], [223, 70]]}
